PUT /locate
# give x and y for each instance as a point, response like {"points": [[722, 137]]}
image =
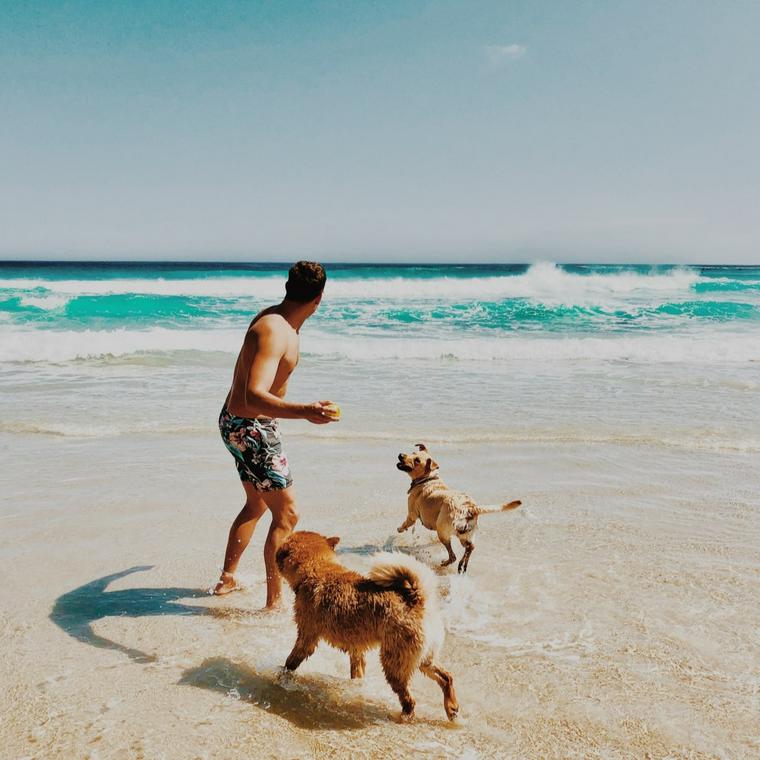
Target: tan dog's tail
{"points": [[499, 508], [414, 581]]}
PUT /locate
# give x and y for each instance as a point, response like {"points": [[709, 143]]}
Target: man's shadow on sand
{"points": [[75, 611]]}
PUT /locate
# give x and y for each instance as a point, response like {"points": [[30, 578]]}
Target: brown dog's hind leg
{"points": [[468, 549], [398, 666], [446, 681], [404, 697], [302, 649], [357, 664]]}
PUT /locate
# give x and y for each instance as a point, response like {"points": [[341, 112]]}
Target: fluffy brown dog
{"points": [[439, 507], [393, 607]]}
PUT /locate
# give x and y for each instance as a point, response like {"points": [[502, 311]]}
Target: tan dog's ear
{"points": [[421, 446], [333, 541], [431, 464]]}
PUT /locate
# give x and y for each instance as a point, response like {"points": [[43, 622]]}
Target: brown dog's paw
{"points": [[406, 717], [452, 711]]}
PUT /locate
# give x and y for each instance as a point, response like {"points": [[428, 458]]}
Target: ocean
{"points": [[462, 312], [613, 615], [665, 354]]}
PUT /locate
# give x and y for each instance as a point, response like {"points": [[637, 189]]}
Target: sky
{"points": [[469, 131]]}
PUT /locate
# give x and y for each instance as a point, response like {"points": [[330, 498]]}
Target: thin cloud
{"points": [[500, 55]]}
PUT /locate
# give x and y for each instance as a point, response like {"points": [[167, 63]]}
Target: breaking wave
{"points": [[540, 281]]}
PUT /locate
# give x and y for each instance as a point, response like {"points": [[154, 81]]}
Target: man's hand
{"points": [[320, 412]]}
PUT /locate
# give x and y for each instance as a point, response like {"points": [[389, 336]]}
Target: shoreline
{"points": [[685, 441]]}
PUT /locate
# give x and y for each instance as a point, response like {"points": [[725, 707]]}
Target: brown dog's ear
{"points": [[333, 541], [421, 446]]}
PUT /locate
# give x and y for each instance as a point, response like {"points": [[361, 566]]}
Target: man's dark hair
{"points": [[306, 280]]}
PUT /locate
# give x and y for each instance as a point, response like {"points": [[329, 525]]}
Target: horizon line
{"points": [[327, 263]]}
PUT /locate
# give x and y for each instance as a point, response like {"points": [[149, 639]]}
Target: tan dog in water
{"points": [[440, 508], [393, 607]]}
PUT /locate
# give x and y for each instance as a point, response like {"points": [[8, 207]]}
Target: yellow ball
{"points": [[333, 410]]}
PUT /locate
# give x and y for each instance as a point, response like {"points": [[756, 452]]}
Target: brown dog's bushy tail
{"points": [[414, 581], [499, 508]]}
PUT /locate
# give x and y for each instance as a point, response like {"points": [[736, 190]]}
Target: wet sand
{"points": [[615, 615]]}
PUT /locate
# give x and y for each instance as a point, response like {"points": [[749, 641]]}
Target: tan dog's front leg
{"points": [[410, 520], [302, 649]]}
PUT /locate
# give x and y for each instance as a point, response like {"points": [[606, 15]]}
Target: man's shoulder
{"points": [[269, 326], [268, 320]]}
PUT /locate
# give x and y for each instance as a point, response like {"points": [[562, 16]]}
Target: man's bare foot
{"points": [[225, 585]]}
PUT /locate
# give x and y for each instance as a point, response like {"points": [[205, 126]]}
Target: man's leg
{"points": [[240, 536], [282, 505]]}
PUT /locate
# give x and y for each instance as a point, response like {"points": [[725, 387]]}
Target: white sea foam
{"points": [[27, 345], [543, 282], [259, 287], [31, 345], [47, 302], [473, 613]]}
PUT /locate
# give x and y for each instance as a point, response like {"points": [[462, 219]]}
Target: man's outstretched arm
{"points": [[270, 348]]}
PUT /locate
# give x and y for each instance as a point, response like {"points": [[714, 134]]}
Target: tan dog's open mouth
{"points": [[401, 465]]}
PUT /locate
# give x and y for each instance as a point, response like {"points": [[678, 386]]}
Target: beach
{"points": [[614, 615]]}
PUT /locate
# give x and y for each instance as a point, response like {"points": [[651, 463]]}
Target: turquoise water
{"points": [[509, 298], [65, 311]]}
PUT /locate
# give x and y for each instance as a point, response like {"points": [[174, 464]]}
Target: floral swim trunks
{"points": [[256, 445]]}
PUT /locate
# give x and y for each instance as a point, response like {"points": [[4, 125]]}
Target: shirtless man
{"points": [[248, 422]]}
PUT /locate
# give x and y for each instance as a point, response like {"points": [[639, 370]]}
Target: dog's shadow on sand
{"points": [[316, 703], [369, 549], [424, 551], [75, 611]]}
